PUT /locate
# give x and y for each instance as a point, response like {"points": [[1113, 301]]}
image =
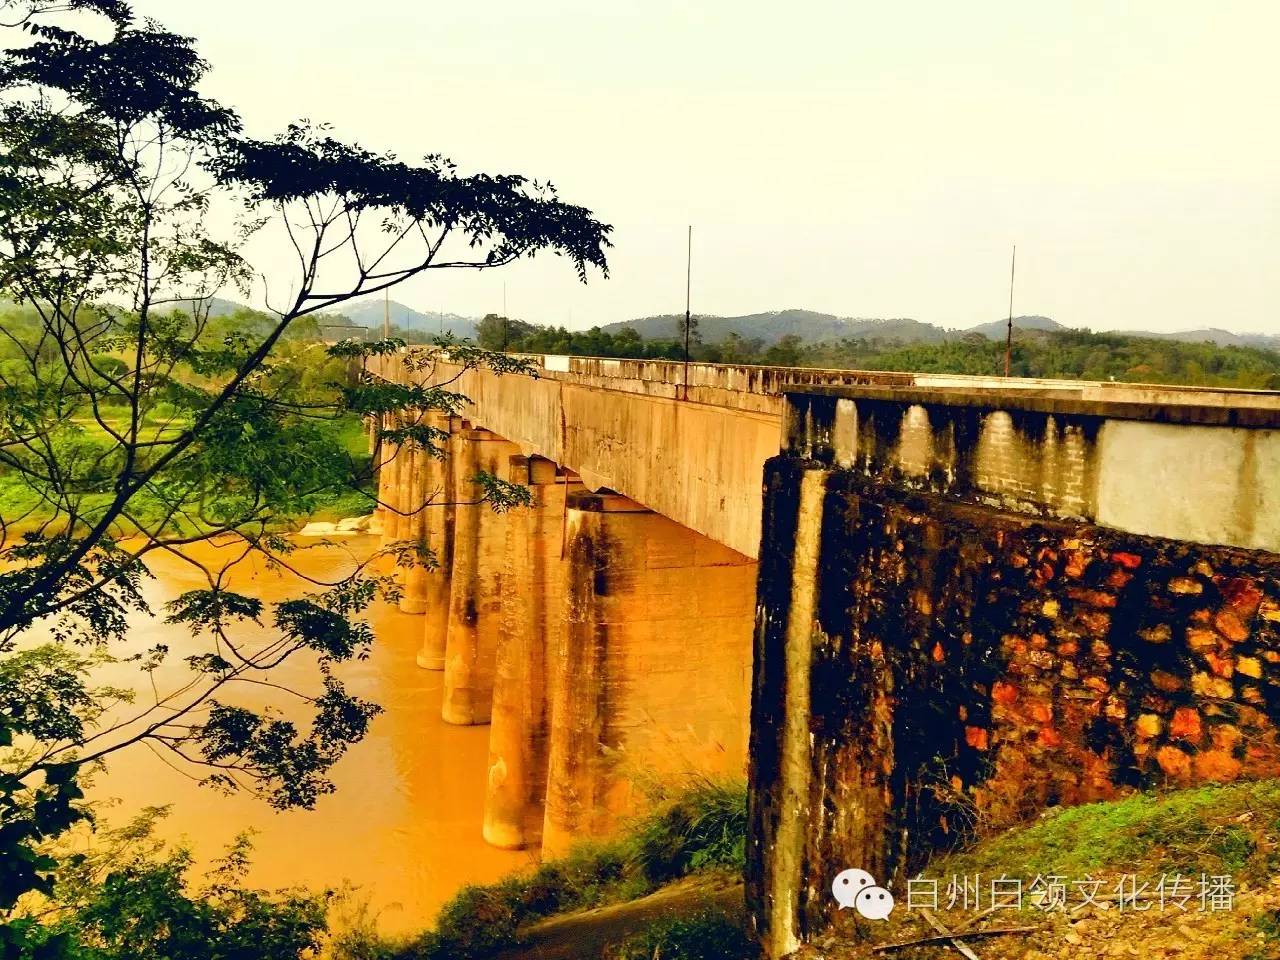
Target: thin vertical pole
{"points": [[688, 290], [1008, 340], [386, 314]]}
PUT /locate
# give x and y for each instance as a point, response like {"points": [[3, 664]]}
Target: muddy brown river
{"points": [[404, 824]]}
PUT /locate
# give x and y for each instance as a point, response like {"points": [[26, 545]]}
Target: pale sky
{"points": [[864, 159]]}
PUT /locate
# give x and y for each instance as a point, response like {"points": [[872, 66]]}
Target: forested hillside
{"points": [[814, 327], [1065, 353]]}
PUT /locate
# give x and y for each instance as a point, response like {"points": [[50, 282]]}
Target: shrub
{"points": [[701, 828], [704, 827], [148, 910], [475, 923]]}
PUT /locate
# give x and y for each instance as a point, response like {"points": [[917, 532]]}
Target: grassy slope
{"points": [[20, 502], [1229, 830], [608, 906]]}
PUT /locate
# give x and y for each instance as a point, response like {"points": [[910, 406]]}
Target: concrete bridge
{"points": [[996, 594]]}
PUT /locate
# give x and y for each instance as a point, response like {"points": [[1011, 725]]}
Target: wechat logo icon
{"points": [[858, 889]]}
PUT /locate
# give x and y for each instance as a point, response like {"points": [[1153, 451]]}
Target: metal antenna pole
{"points": [[688, 288], [1008, 340]]}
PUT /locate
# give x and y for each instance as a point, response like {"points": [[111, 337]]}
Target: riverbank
{"points": [[404, 824], [1230, 832]]}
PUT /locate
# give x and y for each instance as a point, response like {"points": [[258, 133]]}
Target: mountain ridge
{"points": [[369, 313], [813, 326]]}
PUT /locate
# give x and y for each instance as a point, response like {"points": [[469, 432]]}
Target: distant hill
{"points": [[1223, 338], [810, 326], [369, 313], [996, 329], [772, 326], [217, 306], [814, 327]]}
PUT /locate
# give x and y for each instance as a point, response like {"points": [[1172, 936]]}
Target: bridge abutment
{"points": [[948, 635]]}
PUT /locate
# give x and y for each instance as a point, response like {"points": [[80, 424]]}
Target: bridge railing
{"points": [[761, 388]]}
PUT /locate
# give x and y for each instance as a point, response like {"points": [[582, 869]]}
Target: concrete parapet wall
{"points": [[1148, 470], [749, 386]]}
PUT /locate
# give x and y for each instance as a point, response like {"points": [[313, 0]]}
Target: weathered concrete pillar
{"points": [[531, 628], [381, 452], [438, 526], [412, 527], [652, 678], [475, 581], [393, 476], [780, 877]]}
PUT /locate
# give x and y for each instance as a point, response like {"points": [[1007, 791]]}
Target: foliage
{"points": [[476, 923], [703, 827], [708, 935], [132, 420], [1067, 354], [131, 898], [499, 333]]}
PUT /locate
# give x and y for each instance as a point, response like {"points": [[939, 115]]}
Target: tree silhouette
{"points": [[140, 424]]}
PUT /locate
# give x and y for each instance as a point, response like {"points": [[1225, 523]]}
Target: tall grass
{"points": [[704, 827]]}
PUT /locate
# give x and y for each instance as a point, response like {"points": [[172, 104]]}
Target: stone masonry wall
{"points": [[968, 665]]}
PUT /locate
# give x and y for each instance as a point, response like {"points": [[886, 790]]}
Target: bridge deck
{"points": [[690, 442]]}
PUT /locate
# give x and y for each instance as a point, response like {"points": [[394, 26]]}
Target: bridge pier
{"points": [[413, 527], [475, 582], [386, 475], [532, 624], [438, 532], [392, 477], [651, 679]]}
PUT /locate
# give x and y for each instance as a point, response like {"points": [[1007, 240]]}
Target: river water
{"points": [[404, 824]]}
